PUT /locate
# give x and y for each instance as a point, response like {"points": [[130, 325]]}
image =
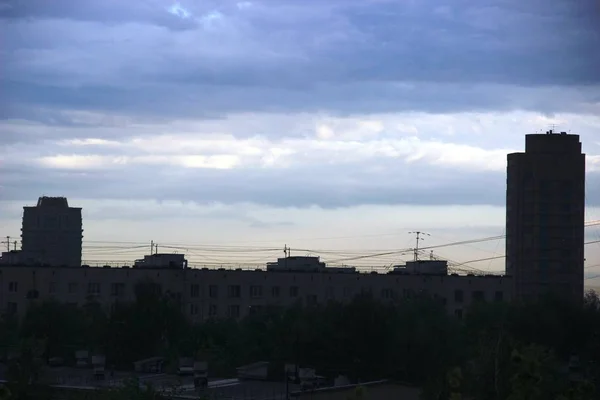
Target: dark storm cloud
{"points": [[210, 101], [340, 56]]}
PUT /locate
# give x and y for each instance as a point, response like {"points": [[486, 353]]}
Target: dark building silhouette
{"points": [[545, 217], [52, 233]]}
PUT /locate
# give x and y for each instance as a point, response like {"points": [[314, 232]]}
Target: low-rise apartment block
{"points": [[222, 293]]}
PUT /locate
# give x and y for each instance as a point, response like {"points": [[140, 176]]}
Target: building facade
{"points": [[52, 233], [545, 217], [220, 293]]}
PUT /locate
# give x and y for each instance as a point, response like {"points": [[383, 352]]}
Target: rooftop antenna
{"points": [[419, 237]]}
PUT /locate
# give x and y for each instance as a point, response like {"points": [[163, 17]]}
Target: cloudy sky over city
{"points": [[338, 124]]}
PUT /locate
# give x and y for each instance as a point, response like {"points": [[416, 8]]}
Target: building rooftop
{"points": [[45, 201]]}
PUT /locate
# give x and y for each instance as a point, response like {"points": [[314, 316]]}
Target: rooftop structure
{"points": [[162, 261], [423, 267]]}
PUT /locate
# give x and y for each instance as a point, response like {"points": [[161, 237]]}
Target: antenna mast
{"points": [[419, 237]]}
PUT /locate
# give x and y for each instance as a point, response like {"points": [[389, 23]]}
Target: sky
{"points": [[333, 127]]}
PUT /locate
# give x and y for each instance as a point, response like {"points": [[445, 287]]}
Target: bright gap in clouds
{"points": [[177, 10]]}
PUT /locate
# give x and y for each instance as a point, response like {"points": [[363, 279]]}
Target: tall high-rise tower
{"points": [[52, 233], [545, 216]]}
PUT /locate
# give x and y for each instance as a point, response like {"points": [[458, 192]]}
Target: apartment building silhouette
{"points": [[545, 216], [545, 240], [51, 234]]}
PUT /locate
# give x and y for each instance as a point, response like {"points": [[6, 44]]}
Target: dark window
{"points": [[293, 291], [193, 309], [255, 310], [478, 295], [234, 311], [387, 294], [458, 313], [117, 289], [52, 287], [213, 291], [72, 288], [330, 292], [311, 299], [275, 291], [13, 287], [499, 296], [11, 308], [93, 288], [157, 289], [212, 310], [255, 291], [459, 296], [195, 290], [234, 291]]}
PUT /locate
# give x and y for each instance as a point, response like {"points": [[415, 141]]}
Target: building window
{"points": [[176, 297], [213, 291], [93, 288], [311, 299], [478, 295], [255, 310], [329, 293], [293, 291], [11, 308], [195, 290], [255, 291], [212, 310], [72, 287], [275, 291], [499, 296], [234, 291], [347, 291], [458, 313], [117, 289], [234, 311], [157, 289], [193, 309], [387, 293], [13, 287], [459, 296], [52, 287]]}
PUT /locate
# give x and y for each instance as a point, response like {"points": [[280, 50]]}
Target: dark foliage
{"points": [[498, 351]]}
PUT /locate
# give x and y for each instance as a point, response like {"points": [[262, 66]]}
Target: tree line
{"points": [[498, 351]]}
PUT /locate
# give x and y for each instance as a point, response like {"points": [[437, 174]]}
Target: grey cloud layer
{"points": [[343, 56], [117, 69], [389, 182]]}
